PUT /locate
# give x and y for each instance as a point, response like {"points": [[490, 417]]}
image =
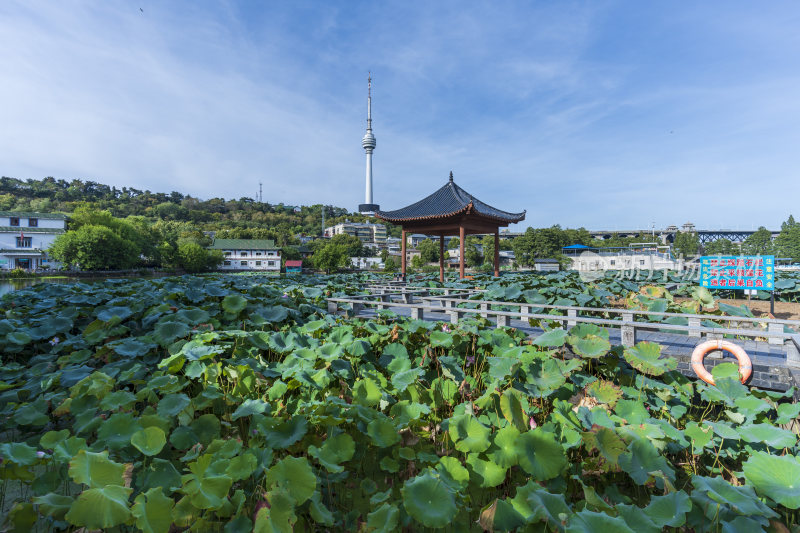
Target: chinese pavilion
{"points": [[451, 211]]}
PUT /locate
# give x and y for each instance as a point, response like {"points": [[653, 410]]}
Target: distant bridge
{"points": [[666, 236]]}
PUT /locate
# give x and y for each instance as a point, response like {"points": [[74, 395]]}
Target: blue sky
{"points": [[596, 114]]}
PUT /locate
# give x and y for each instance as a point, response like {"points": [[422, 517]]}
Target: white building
{"points": [[641, 256], [248, 254], [26, 237], [366, 263], [366, 232]]}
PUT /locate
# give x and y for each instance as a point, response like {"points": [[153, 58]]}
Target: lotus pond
{"points": [[236, 403]]}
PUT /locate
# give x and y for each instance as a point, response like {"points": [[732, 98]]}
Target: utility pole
{"points": [[260, 193], [323, 220]]}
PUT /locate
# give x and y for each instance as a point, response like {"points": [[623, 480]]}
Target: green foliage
{"points": [[92, 247], [331, 257], [236, 403], [428, 251], [686, 244], [195, 258]]}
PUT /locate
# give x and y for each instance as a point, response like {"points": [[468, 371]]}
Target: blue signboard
{"points": [[738, 272]]}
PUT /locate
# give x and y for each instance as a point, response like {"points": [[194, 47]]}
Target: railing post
{"points": [[628, 332], [454, 316], [694, 327], [502, 321], [524, 310], [357, 308], [572, 313], [333, 307], [793, 351], [417, 313], [775, 328], [485, 307]]}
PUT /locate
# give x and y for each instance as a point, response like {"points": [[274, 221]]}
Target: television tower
{"points": [[368, 142]]}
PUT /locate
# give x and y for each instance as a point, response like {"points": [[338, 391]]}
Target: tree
{"points": [[93, 247], [353, 245], [787, 244], [454, 243], [428, 251], [417, 262], [332, 256], [488, 249], [686, 244], [390, 264], [759, 243], [720, 247], [194, 258], [472, 256]]}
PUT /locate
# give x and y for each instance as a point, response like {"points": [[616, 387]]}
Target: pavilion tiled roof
{"points": [[448, 201]]}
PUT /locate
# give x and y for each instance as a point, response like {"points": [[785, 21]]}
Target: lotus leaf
{"points": [[334, 451], [468, 434], [18, 453], [641, 459], [205, 485], [248, 408], [384, 519], [166, 332], [591, 346], [429, 500], [590, 522], [453, 473], [52, 504], [95, 469], [102, 507], [234, 303], [604, 392], [287, 433], [150, 441], [293, 474], [504, 449], [552, 338], [382, 432], [646, 358], [540, 455], [485, 474], [153, 511], [775, 477]]}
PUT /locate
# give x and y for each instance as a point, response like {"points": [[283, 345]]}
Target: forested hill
{"points": [[58, 195]]}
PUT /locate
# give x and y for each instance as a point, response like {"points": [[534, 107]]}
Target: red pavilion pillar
{"points": [[461, 237], [497, 252], [441, 257], [403, 256]]}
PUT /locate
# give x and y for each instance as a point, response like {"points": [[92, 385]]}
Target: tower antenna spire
{"points": [[368, 143]]}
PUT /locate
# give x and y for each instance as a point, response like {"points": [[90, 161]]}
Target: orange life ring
{"points": [[700, 351]]}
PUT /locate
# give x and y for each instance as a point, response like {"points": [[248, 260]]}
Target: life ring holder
{"points": [[700, 351]]}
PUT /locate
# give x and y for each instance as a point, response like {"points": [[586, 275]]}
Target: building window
{"points": [[226, 263], [13, 221], [227, 254], [258, 263], [243, 254], [271, 263], [613, 262], [258, 253], [24, 242], [243, 263], [641, 261], [33, 222]]}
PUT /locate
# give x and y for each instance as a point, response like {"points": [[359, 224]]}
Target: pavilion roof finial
{"points": [[451, 176]]}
